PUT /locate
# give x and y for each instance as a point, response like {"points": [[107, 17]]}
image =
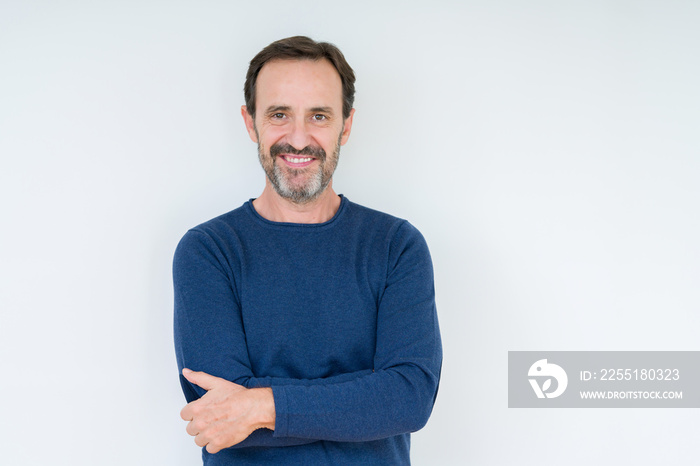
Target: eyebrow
{"points": [[277, 108], [321, 110]]}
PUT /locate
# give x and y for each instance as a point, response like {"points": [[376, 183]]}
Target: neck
{"points": [[271, 206]]}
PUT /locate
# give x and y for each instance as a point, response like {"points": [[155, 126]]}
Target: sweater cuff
{"points": [[281, 412]]}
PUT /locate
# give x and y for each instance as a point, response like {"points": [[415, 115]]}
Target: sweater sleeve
{"points": [[398, 395], [209, 333]]}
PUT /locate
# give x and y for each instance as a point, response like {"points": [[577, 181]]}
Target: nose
{"points": [[299, 136]]}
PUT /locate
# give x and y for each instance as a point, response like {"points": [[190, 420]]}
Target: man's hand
{"points": [[227, 413]]}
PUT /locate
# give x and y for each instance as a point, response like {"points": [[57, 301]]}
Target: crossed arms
{"points": [[229, 405]]}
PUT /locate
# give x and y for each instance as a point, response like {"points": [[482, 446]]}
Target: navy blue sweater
{"points": [[337, 317]]}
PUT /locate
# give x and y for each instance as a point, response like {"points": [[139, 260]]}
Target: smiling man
{"points": [[305, 324]]}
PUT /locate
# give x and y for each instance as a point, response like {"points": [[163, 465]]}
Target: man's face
{"points": [[298, 126]]}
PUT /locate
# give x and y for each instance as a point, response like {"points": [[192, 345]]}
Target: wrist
{"points": [[266, 409]]}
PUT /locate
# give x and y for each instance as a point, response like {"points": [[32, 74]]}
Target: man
{"points": [[310, 320]]}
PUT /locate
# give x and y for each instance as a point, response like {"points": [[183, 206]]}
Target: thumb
{"points": [[202, 379]]}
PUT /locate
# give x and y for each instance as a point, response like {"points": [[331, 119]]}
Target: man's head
{"points": [[298, 110]]}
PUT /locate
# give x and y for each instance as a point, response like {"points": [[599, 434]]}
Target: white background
{"points": [[548, 151]]}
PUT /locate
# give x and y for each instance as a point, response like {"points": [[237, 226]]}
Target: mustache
{"points": [[312, 151]]}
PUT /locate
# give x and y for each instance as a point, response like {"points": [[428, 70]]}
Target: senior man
{"points": [[305, 324]]}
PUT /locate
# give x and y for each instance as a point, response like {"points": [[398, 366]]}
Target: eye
{"points": [[278, 115], [320, 117]]}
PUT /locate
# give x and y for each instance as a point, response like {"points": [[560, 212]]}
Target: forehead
{"points": [[305, 83]]}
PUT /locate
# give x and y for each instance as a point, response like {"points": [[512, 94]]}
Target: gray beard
{"points": [[299, 195], [312, 189]]}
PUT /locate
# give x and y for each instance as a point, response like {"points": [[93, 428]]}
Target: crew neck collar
{"points": [[262, 220]]}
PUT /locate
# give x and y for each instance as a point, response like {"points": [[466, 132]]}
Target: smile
{"points": [[297, 159]]}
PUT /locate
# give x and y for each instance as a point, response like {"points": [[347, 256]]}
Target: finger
{"points": [[186, 412], [189, 411], [191, 429], [200, 440], [212, 448], [202, 379]]}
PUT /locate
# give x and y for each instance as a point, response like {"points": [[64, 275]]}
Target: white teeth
{"points": [[299, 160]]}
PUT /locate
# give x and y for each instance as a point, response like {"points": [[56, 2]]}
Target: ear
{"points": [[347, 126], [249, 123]]}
